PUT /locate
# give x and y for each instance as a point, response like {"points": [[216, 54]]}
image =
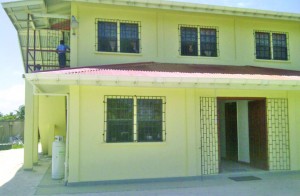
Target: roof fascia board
{"points": [[174, 82], [200, 8]]}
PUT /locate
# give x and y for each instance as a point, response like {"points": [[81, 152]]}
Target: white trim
{"points": [[200, 8], [292, 83]]}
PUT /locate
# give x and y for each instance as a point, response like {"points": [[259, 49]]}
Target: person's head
{"points": [[62, 42]]}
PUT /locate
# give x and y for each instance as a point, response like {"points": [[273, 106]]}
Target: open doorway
{"points": [[242, 134]]}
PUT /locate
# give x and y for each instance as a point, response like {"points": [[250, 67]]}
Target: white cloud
{"points": [[11, 98]]}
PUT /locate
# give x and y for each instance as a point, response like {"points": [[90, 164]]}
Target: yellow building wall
{"points": [[91, 159], [294, 127], [160, 37], [52, 120]]}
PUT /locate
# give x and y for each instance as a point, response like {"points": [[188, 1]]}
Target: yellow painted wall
{"points": [[91, 159], [294, 127], [52, 120], [160, 37]]}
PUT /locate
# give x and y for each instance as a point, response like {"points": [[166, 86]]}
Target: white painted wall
{"points": [[243, 131]]}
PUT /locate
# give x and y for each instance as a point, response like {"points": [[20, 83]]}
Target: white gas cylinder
{"points": [[58, 158]]}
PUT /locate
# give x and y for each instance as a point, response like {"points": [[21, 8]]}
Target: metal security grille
{"points": [[189, 41], [271, 45], [278, 134], [208, 42], [107, 36], [119, 119], [129, 38], [118, 36], [279, 46], [263, 45], [134, 119], [209, 136], [198, 41]]}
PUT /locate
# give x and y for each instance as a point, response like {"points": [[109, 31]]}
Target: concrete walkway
{"points": [[15, 181]]}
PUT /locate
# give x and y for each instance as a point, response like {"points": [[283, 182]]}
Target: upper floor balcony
{"points": [[41, 24]]}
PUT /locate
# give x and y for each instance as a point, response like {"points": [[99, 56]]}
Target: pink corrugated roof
{"points": [[153, 69]]}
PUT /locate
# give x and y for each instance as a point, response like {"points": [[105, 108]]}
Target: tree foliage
{"points": [[18, 115]]}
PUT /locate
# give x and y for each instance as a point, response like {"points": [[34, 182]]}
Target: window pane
{"points": [[189, 39], [263, 48], [119, 120], [129, 38], [208, 42], [149, 120], [107, 36], [279, 46]]}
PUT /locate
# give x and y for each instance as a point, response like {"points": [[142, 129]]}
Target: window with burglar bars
{"points": [[198, 41], [118, 36], [134, 119], [271, 45]]}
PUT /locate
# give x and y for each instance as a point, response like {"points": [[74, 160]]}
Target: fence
{"points": [[9, 129]]}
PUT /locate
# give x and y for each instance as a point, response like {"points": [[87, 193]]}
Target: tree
{"points": [[20, 113], [10, 116]]}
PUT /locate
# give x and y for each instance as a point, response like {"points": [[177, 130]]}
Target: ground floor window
{"points": [[134, 119]]}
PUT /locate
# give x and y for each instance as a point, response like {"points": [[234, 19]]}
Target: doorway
{"points": [[242, 134]]}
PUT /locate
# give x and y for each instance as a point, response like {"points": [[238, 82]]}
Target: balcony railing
{"points": [[39, 45]]}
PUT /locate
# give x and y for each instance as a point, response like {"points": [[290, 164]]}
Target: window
{"points": [[118, 36], [271, 45], [107, 36], [149, 119], [119, 120], [134, 119], [129, 38], [189, 39], [208, 42], [198, 41]]}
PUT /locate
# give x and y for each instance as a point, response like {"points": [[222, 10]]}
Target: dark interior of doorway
{"points": [[242, 134]]}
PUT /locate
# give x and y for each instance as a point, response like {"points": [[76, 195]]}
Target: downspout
{"points": [[67, 126]]}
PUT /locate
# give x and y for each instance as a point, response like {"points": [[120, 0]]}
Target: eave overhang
{"points": [[198, 8], [166, 80]]}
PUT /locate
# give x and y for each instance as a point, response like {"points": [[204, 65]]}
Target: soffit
{"points": [[41, 12]]}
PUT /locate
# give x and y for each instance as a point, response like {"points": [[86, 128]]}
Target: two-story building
{"points": [[160, 89]]}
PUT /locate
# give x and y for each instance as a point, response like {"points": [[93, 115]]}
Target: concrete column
{"points": [[74, 38], [192, 151], [74, 134], [29, 126], [35, 129], [294, 127]]}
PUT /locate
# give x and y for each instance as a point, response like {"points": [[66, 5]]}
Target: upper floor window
{"points": [[198, 41], [134, 119], [118, 36], [271, 45]]}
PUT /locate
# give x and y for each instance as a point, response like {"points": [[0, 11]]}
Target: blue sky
{"points": [[11, 66]]}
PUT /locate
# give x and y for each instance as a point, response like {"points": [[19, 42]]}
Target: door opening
{"points": [[242, 134]]}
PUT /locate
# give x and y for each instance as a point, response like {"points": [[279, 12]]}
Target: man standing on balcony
{"points": [[61, 51]]}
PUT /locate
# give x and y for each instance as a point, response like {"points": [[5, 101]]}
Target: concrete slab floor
{"points": [[15, 181]]}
